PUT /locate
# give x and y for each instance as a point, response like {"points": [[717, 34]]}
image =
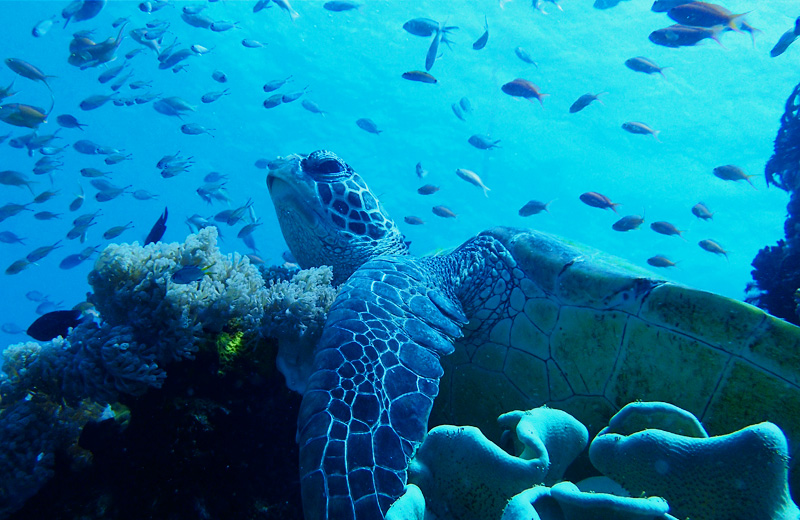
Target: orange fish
{"points": [[428, 189], [700, 210], [712, 247], [596, 200], [730, 172], [660, 261], [524, 89], [665, 228]]}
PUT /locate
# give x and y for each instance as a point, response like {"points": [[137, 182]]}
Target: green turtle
{"points": [[510, 320]]}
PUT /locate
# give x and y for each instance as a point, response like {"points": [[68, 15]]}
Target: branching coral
{"points": [[148, 321]]}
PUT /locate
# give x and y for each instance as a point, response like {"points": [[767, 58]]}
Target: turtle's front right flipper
{"points": [[376, 374]]}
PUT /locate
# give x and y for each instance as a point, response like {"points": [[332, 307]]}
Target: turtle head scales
{"points": [[328, 215]]}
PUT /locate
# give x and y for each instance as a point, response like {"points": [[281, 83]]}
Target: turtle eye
{"points": [[329, 166]]}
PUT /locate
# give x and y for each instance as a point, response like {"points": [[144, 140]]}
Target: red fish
{"points": [[524, 89], [597, 200]]}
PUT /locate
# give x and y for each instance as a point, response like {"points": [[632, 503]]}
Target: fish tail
{"points": [[732, 21], [486, 191], [747, 178], [614, 205], [655, 135]]}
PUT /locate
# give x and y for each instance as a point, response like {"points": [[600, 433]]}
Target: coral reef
{"points": [[661, 456], [776, 272], [226, 323]]}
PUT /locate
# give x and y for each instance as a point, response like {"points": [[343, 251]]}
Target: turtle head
{"points": [[328, 215]]}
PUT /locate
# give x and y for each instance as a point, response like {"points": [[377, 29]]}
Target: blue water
{"points": [[715, 106]]}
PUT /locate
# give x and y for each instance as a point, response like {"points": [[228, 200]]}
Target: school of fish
{"points": [[119, 63]]}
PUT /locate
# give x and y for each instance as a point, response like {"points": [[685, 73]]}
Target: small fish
{"points": [[26, 70], [17, 267], [458, 111], [11, 328], [780, 47], [223, 25], [275, 84], [444, 212], [15, 178], [428, 189], [338, 6], [189, 274], [144, 195], [473, 178], [433, 50], [640, 129], [93, 173], [8, 237], [6, 92], [41, 252], [662, 6], [420, 76], [135, 52], [117, 158], [46, 215], [54, 324], [69, 121], [425, 27], [480, 43], [273, 101], [19, 114], [483, 142], [45, 196], [200, 50], [210, 97], [584, 101], [700, 211], [312, 107], [214, 177], [116, 231], [286, 6], [260, 5], [730, 172], [642, 64], [36, 296], [596, 200], [533, 207], [683, 36], [195, 129], [704, 14], [665, 228], [11, 209], [524, 89], [173, 106], [660, 261], [248, 229], [47, 306], [111, 73], [712, 247], [77, 202], [412, 220], [525, 56], [219, 76], [628, 223], [96, 101], [41, 28], [252, 44], [255, 259], [157, 231], [465, 104], [368, 125], [261, 164], [421, 172], [110, 194], [85, 219], [292, 96], [71, 261]]}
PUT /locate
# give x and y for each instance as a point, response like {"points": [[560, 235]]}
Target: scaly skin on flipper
{"points": [[544, 321]]}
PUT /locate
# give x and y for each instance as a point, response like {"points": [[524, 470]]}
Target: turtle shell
{"points": [[568, 326]]}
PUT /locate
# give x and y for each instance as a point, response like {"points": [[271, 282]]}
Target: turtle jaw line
{"points": [[288, 199]]}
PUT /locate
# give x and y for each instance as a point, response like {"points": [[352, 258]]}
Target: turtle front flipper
{"points": [[376, 374]]}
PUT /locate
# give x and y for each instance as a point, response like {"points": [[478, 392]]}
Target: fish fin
{"points": [[655, 136], [735, 18]]}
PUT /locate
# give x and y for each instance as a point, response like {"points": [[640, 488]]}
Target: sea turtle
{"points": [[511, 319]]}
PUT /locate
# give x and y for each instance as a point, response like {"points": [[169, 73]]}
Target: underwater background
{"points": [[713, 106]]}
